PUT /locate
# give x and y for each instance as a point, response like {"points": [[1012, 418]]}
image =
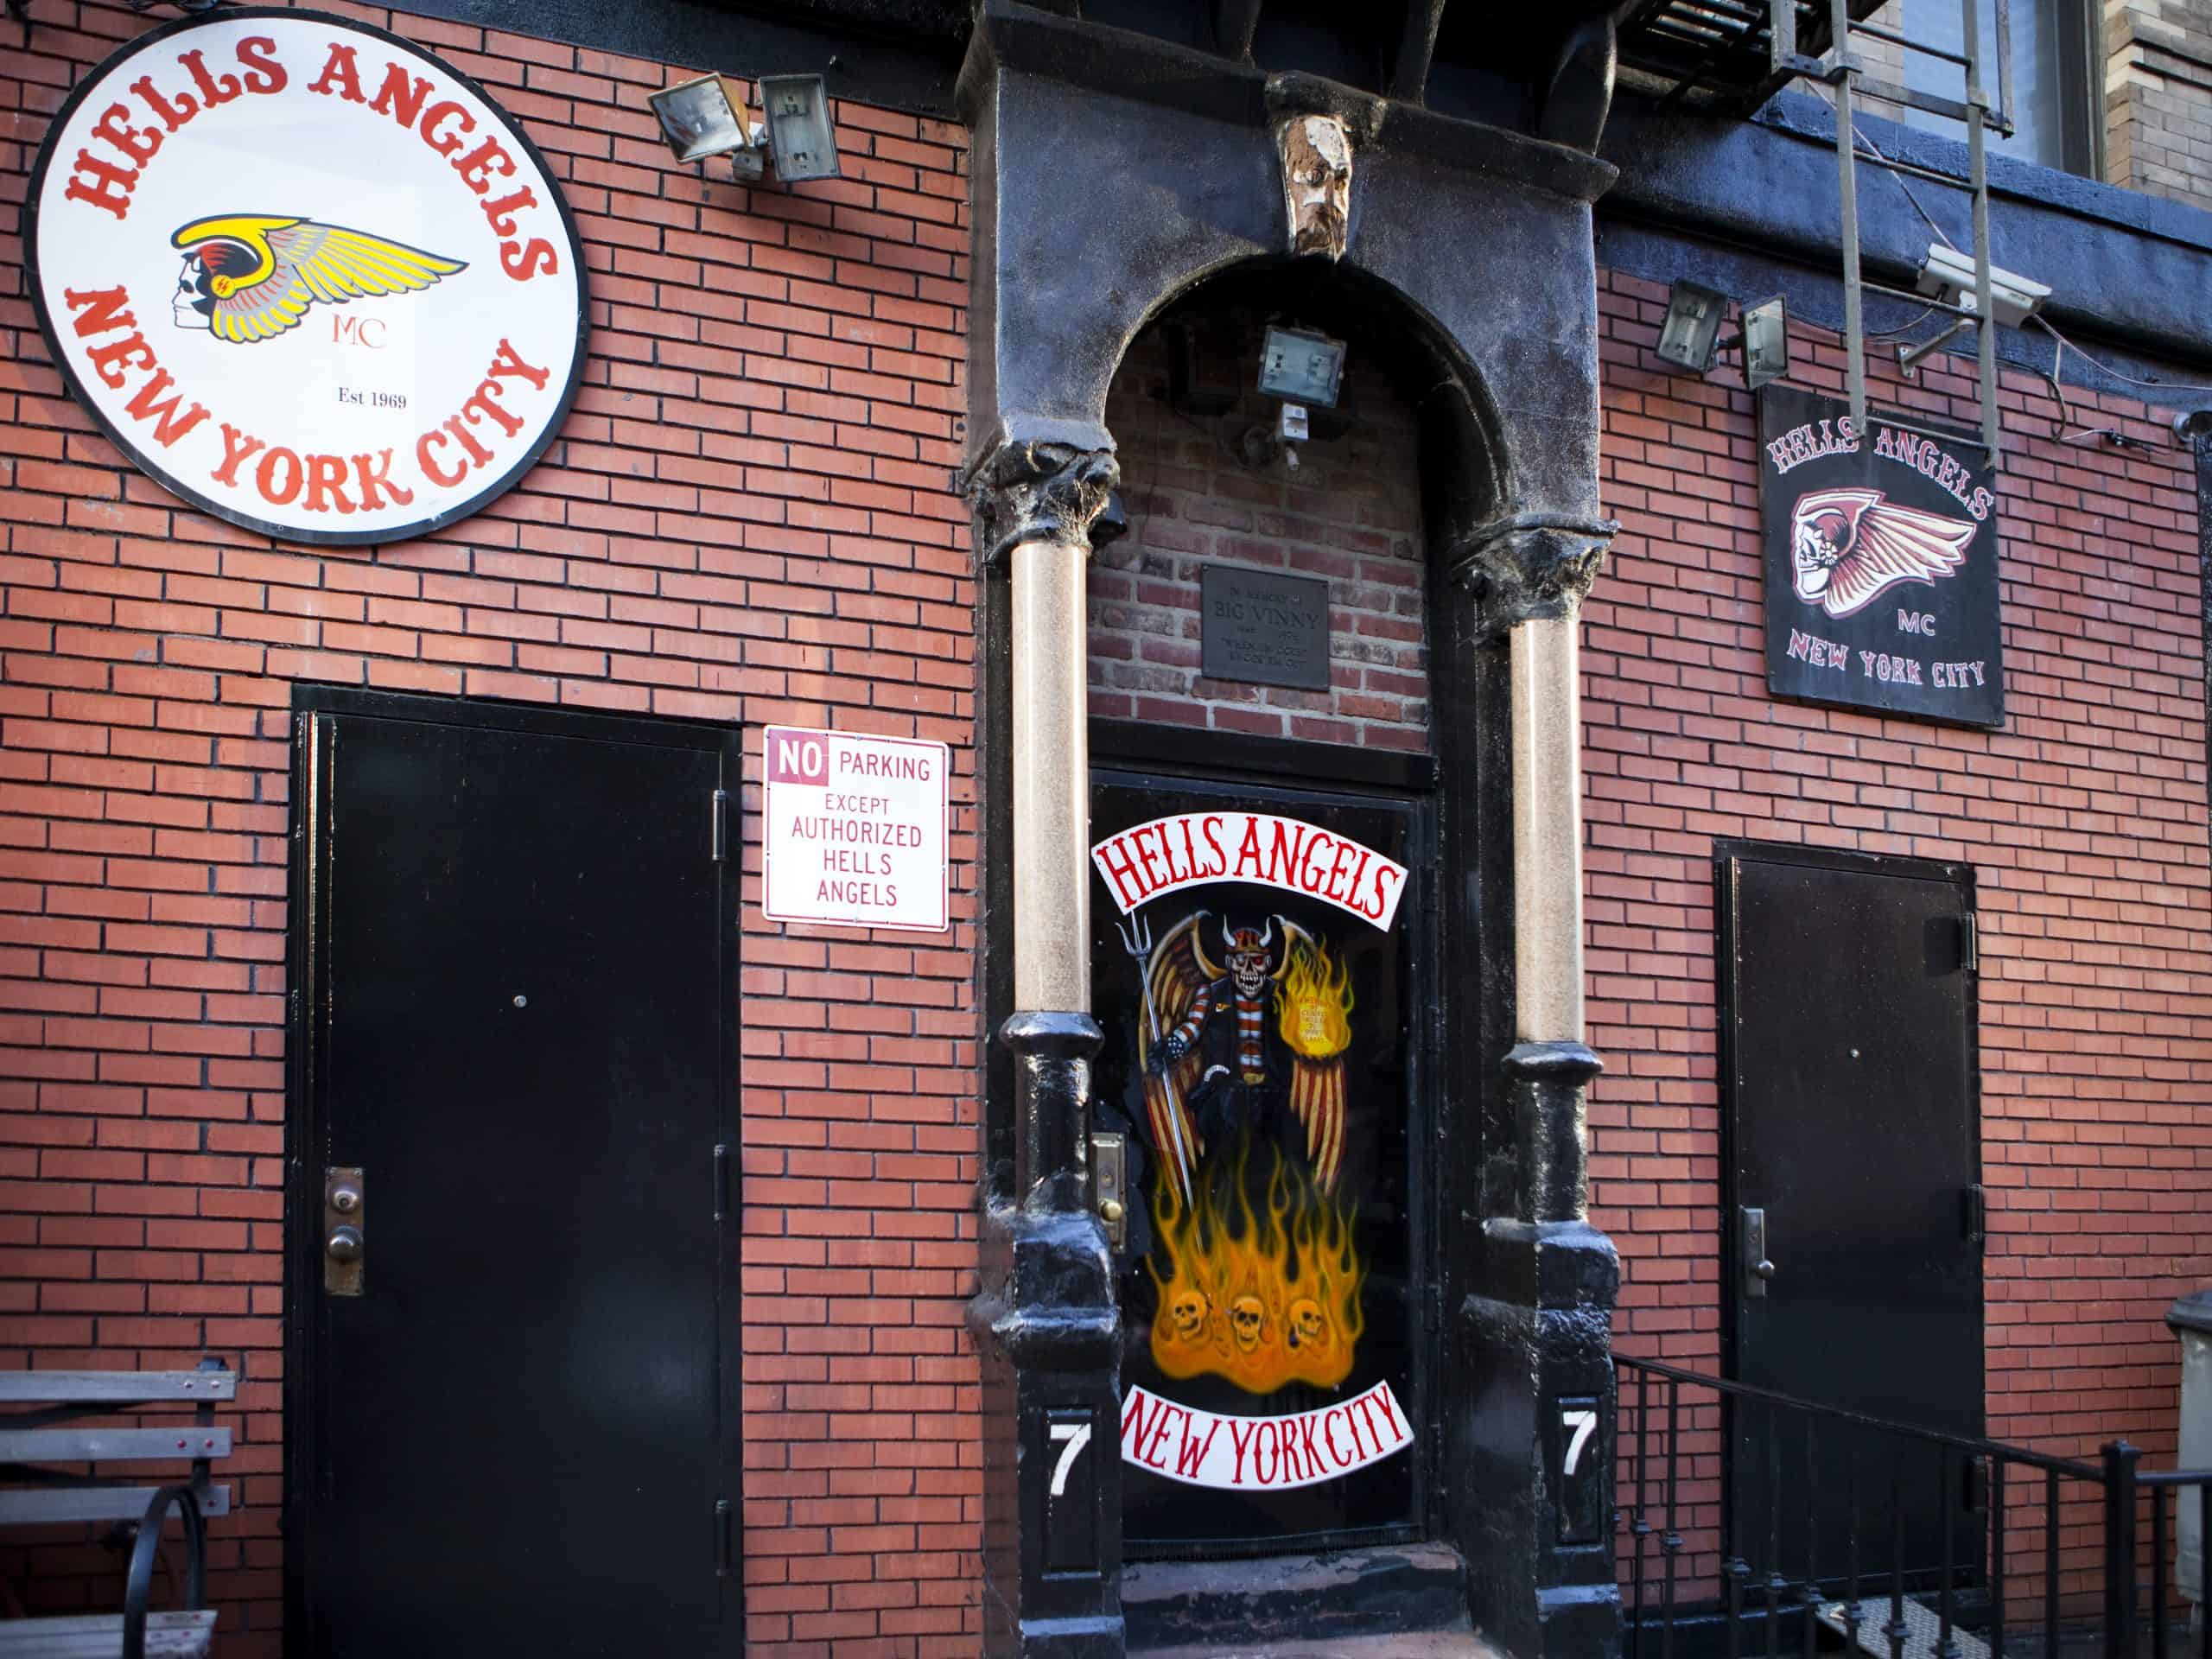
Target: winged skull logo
{"points": [[250, 276], [1846, 546]]}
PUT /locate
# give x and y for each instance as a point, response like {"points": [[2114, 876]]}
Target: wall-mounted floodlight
{"points": [[703, 118], [800, 132], [1766, 343], [1691, 334], [1298, 365], [1948, 275]]}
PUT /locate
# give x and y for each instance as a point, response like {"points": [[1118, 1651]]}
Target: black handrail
{"points": [[1964, 1579]]}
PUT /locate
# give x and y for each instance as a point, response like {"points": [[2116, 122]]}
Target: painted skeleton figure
{"points": [[1218, 1065]]}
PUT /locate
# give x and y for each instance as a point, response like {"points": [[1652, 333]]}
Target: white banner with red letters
{"points": [[1205, 1448], [1190, 848]]}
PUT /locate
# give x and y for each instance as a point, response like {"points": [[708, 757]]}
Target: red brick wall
{"points": [[2084, 820], [745, 519], [1350, 514]]}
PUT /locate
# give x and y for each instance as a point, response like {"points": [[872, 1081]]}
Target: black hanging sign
{"points": [[1881, 564]]}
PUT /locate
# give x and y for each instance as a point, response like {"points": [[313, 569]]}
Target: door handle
{"points": [[1751, 1233], [345, 1212], [1109, 1174]]}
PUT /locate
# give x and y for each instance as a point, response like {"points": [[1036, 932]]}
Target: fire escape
{"points": [[1731, 56]]}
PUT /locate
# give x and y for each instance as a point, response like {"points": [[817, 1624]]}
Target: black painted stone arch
{"points": [[1115, 177]]}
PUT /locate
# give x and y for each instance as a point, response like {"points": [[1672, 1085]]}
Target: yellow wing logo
{"points": [[251, 277]]}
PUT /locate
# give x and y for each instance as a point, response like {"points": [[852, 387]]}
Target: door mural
{"points": [[1251, 976]]}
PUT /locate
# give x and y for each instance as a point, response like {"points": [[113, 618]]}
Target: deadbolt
{"points": [[344, 1245], [344, 1199]]}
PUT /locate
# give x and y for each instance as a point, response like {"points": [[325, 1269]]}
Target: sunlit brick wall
{"points": [[747, 518], [2084, 820]]}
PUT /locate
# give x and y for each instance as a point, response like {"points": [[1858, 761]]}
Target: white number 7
{"points": [[1585, 1424], [1078, 1435]]}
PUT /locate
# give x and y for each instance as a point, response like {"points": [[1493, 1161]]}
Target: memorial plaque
{"points": [[1264, 628], [1881, 564]]}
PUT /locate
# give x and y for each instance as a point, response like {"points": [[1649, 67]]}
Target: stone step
{"points": [[1411, 1644], [1328, 1602]]}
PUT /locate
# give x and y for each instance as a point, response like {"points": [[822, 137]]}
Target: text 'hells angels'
{"points": [[1192, 847]]}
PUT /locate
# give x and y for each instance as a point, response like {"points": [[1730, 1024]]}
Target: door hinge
{"points": [[722, 1183], [1974, 1213], [719, 834], [1970, 945], [723, 1529]]}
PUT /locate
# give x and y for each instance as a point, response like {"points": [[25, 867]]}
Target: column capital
{"points": [[1528, 566], [1033, 491]]}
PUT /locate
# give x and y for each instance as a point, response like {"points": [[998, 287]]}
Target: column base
{"points": [[1049, 1337], [1531, 1438]]}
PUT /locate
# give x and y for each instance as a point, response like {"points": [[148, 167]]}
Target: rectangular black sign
{"points": [[1263, 628], [1881, 564]]}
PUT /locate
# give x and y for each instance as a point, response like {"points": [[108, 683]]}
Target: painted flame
{"points": [[1313, 1003], [1261, 1298]]}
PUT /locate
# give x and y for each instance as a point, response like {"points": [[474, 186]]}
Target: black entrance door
{"points": [[515, 950], [1256, 975], [1849, 1007]]}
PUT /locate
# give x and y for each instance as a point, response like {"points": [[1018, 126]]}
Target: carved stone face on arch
{"points": [[1316, 183]]}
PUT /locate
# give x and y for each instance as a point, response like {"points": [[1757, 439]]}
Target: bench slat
{"points": [[67, 1387], [169, 1635], [100, 1444], [38, 1506]]}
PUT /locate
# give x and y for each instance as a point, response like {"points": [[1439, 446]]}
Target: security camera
{"points": [[2193, 425], [1948, 275]]}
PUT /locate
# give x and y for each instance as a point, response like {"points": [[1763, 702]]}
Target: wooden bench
{"points": [[44, 1496]]}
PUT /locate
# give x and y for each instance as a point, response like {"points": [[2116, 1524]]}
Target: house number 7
{"points": [[1073, 1438], [1583, 1424]]}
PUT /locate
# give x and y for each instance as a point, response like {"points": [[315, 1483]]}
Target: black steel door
{"points": [[515, 950], [1847, 997], [1274, 1267]]}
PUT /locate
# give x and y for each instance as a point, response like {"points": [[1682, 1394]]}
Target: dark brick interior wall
{"points": [[1350, 512]]}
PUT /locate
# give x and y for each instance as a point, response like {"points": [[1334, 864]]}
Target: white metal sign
{"points": [[855, 829], [306, 276]]}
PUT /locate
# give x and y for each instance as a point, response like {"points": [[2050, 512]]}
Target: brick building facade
{"points": [[2083, 820], [752, 516], [745, 519]]}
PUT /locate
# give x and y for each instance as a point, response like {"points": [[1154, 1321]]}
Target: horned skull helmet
{"points": [[1251, 957]]}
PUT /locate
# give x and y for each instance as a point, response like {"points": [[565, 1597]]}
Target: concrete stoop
{"points": [[1418, 1644], [1408, 1602]]}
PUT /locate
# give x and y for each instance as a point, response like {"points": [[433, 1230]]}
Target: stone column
{"points": [[1044, 1318], [1538, 1330]]}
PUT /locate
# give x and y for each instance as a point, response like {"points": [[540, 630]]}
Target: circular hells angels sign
{"points": [[306, 276]]}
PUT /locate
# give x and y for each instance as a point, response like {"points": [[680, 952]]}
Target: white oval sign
{"points": [[306, 276]]}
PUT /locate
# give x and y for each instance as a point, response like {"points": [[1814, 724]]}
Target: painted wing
{"points": [[328, 263], [1894, 544], [1177, 981]]}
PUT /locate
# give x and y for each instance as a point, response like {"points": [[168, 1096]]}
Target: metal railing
{"points": [[1937, 1545]]}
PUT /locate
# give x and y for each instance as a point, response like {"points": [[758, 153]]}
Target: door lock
{"points": [[1110, 1179], [345, 1212], [1751, 1232]]}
